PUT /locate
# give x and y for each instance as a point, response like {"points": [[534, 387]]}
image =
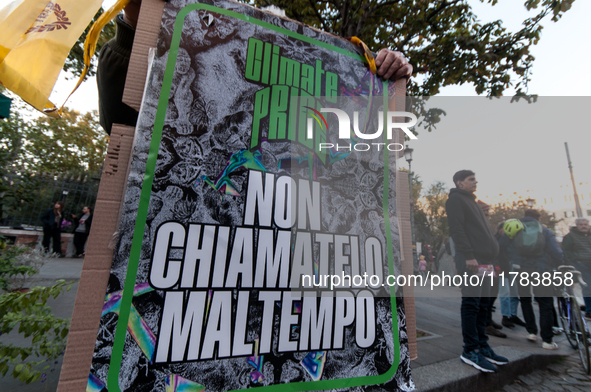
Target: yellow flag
{"points": [[35, 39]]}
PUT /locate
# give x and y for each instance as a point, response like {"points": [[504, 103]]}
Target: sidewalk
{"points": [[438, 367]]}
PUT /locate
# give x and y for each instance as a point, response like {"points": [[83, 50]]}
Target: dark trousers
{"points": [[494, 293], [474, 310], [48, 235], [555, 322], [79, 241], [544, 298]]}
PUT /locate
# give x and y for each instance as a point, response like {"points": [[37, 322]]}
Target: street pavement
{"points": [[438, 367], [564, 375]]}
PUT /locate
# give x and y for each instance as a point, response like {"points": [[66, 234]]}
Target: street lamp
{"points": [[408, 157], [530, 202], [408, 154]]}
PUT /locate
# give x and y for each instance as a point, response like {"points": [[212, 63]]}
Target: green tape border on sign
{"points": [[138, 234]]}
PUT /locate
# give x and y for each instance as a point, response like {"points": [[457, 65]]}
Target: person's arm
{"points": [[456, 220], [568, 247], [45, 218], [88, 223], [553, 247], [131, 12]]}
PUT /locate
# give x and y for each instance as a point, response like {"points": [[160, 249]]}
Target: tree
{"points": [[12, 140], [442, 39], [515, 210], [74, 142], [71, 143], [430, 217], [28, 313]]}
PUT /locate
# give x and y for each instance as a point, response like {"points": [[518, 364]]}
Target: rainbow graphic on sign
{"points": [[316, 114]]}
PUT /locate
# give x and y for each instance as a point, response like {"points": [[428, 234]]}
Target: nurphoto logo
{"points": [[344, 122]]}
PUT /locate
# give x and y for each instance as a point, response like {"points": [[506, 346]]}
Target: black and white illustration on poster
{"points": [[238, 203]]}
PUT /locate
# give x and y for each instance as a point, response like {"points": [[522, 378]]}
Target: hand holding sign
{"points": [[392, 65]]}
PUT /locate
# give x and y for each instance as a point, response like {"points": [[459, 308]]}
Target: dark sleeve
{"points": [[45, 218], [553, 248], [455, 219], [110, 78], [88, 223], [568, 247], [75, 222]]}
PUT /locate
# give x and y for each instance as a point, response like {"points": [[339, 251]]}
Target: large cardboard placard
{"points": [[230, 201]]}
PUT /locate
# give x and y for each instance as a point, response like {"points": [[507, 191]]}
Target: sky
{"points": [[524, 150]]}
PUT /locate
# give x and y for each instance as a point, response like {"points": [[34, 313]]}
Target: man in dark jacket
{"points": [[577, 252], [532, 268], [475, 244]]}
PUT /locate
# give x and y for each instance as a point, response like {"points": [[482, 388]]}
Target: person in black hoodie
{"points": [[52, 227], [475, 244], [533, 266]]}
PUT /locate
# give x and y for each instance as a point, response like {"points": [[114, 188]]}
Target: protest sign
{"points": [[236, 194]]}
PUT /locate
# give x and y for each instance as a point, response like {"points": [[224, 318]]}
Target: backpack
{"points": [[530, 241]]}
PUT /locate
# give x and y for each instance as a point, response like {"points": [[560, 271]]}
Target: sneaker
{"points": [[557, 330], [476, 359], [517, 321], [495, 324], [491, 331], [532, 337], [490, 356], [550, 346], [507, 322]]}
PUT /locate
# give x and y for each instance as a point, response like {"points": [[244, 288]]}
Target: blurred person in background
{"points": [[577, 252], [83, 224], [52, 227]]}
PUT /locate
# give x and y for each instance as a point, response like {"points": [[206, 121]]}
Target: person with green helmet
{"points": [[508, 294], [512, 227], [535, 250]]}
